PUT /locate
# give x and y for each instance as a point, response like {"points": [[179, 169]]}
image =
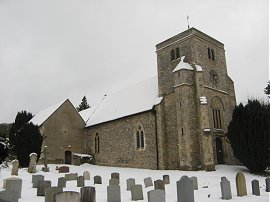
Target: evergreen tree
{"points": [[267, 89], [4, 149], [249, 135], [84, 105]]}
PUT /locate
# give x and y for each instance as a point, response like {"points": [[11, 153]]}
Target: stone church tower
{"points": [[198, 100]]}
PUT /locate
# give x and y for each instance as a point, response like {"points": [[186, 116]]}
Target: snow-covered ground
{"points": [[210, 179]]}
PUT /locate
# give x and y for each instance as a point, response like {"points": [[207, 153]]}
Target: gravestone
{"points": [[42, 185], [148, 182], [14, 185], [80, 181], [8, 196], [267, 183], [194, 182], [130, 183], [36, 179], [185, 192], [115, 175], [61, 182], [71, 176], [15, 167], [88, 194], [45, 152], [225, 189], [32, 163], [50, 191], [97, 180], [255, 187], [86, 175], [114, 181], [136, 192], [241, 184], [159, 184], [166, 179], [156, 195], [67, 196], [63, 169], [113, 193]]}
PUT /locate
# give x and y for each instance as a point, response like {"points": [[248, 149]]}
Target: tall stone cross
{"points": [[45, 153]]}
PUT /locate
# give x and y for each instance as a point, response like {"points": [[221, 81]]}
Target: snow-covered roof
{"points": [[42, 116], [132, 100], [183, 65]]}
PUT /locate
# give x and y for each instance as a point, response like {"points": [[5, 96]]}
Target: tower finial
{"points": [[188, 21]]}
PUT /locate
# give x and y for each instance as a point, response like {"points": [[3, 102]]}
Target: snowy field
{"points": [[205, 179]]}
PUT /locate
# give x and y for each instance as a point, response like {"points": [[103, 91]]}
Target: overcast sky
{"points": [[52, 50]]}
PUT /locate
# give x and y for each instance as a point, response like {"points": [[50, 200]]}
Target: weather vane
{"points": [[188, 21]]}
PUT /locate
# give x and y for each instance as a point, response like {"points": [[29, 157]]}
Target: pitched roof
{"points": [[132, 100]]}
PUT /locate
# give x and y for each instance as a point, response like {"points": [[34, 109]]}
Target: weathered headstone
{"points": [[71, 176], [114, 181], [8, 196], [63, 169], [194, 182], [267, 183], [136, 192], [166, 179], [61, 182], [67, 196], [32, 163], [115, 175], [36, 179], [42, 185], [113, 193], [97, 180], [225, 189], [15, 167], [156, 195], [159, 184], [80, 181], [88, 194], [130, 183], [14, 185], [241, 184], [185, 192], [45, 152], [255, 187], [86, 175], [50, 191], [148, 182]]}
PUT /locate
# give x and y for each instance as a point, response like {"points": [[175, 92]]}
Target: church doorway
{"points": [[219, 151], [68, 155]]}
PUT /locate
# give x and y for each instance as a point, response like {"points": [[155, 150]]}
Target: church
{"points": [[176, 120]]}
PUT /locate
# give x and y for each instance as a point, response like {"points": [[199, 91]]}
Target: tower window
{"points": [[97, 150], [140, 138], [177, 53], [172, 55], [211, 54]]}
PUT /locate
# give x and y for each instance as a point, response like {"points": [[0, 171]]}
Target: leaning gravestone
{"points": [[88, 194], [267, 182], [36, 179], [156, 195], [67, 196], [32, 163], [114, 181], [166, 179], [241, 184], [42, 185], [194, 182], [130, 183], [63, 169], [50, 191], [148, 182], [86, 175], [136, 192], [113, 193], [80, 181], [159, 184], [255, 187], [97, 180], [8, 196], [15, 167], [14, 185], [185, 192], [225, 189], [61, 182]]}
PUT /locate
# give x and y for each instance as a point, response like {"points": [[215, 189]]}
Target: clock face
{"points": [[213, 77]]}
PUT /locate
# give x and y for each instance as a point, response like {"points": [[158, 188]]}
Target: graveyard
{"points": [[102, 184]]}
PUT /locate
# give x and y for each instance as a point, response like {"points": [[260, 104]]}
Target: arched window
{"points": [[217, 113], [177, 53], [172, 55], [97, 143], [140, 137]]}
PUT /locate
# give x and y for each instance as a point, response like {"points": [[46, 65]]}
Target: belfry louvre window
{"points": [[211, 53], [172, 55], [140, 138], [97, 144], [177, 53]]}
